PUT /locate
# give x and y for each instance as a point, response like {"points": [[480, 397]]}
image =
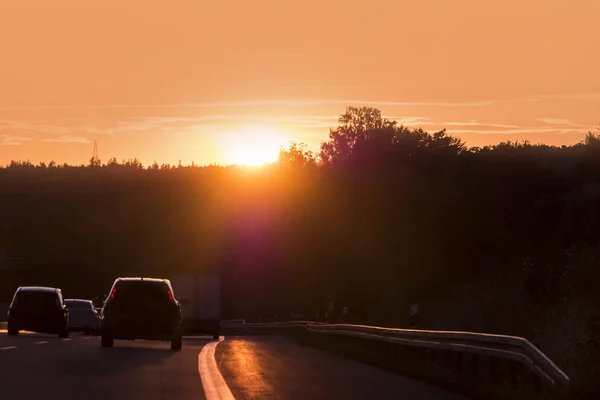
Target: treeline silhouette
{"points": [[380, 217]]}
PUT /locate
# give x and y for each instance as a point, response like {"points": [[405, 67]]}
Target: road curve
{"points": [[38, 366], [273, 367]]}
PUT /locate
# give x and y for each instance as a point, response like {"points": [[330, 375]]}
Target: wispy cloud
{"points": [[146, 124], [555, 121], [219, 104], [475, 123], [490, 128], [301, 103], [332, 87], [9, 140], [593, 96], [32, 126], [407, 120], [81, 130], [516, 131], [454, 125], [68, 139], [257, 55], [562, 124], [57, 129], [39, 107], [278, 103]]}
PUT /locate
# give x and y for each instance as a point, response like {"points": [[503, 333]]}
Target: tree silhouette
{"points": [[297, 156], [360, 129], [381, 214]]}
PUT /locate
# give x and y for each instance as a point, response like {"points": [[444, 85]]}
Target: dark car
{"points": [[83, 316], [38, 309], [141, 308]]}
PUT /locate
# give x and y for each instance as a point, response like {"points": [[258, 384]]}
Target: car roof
{"points": [[131, 279], [78, 301], [38, 289]]}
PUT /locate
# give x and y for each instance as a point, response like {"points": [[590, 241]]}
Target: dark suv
{"points": [[38, 309], [141, 308]]}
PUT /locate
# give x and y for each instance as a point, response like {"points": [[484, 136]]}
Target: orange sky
{"points": [[168, 80]]}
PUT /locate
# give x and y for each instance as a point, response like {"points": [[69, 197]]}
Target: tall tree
{"points": [[360, 130]]}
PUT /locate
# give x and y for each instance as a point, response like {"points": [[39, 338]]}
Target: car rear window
{"points": [[126, 290], [80, 304], [36, 299]]}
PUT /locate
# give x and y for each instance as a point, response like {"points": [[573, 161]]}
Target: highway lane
{"points": [[37, 366], [273, 367]]}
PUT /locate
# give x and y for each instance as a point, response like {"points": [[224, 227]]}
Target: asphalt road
{"points": [[278, 368], [37, 366]]}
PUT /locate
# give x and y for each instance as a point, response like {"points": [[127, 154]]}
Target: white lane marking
{"points": [[215, 387], [66, 340], [41, 342], [8, 348]]}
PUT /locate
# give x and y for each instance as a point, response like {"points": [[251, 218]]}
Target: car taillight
{"points": [[112, 294], [170, 295]]}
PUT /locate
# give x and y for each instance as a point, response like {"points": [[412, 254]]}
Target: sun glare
{"points": [[253, 146]]}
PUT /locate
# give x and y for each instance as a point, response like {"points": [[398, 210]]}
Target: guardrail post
{"points": [[514, 375], [493, 371], [405, 354], [474, 364], [432, 354], [537, 385]]}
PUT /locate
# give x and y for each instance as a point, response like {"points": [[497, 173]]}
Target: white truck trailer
{"points": [[200, 298]]}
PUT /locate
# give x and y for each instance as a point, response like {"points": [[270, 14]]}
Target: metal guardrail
{"points": [[511, 348]]}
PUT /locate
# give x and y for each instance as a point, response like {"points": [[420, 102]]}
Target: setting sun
{"points": [[253, 146]]}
